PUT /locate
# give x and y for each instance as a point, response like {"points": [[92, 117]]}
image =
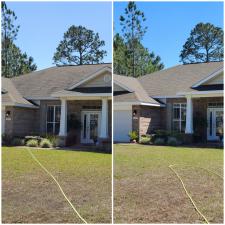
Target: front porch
{"points": [[204, 117], [85, 121]]}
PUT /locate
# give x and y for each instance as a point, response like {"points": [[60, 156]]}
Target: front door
{"points": [[90, 126], [215, 123]]}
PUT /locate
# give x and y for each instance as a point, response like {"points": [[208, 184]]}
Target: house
{"points": [[185, 98], [42, 102]]}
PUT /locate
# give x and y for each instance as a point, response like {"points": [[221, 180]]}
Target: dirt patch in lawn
{"points": [[29, 195], [147, 191]]}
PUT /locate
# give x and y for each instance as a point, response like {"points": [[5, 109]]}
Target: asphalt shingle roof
{"points": [[43, 83], [138, 93], [10, 94], [177, 79]]}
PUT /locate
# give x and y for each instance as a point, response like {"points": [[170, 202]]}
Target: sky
{"points": [[169, 24], [42, 25]]}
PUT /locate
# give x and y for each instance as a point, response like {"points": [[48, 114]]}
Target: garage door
{"points": [[3, 120], [122, 125]]}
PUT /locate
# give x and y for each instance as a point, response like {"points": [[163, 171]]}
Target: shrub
{"points": [[18, 142], [159, 141], [53, 139], [37, 138], [45, 143], [145, 139], [133, 135], [172, 141], [32, 143]]}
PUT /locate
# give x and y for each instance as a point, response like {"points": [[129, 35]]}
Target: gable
{"points": [[116, 88], [215, 80], [102, 80]]}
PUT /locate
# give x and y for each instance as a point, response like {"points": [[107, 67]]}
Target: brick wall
{"points": [[147, 119], [22, 121]]}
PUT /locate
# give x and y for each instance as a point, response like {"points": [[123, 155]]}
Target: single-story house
{"points": [[43, 102], [185, 98]]}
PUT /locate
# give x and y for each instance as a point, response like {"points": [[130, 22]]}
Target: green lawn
{"points": [[29, 195], [147, 191]]}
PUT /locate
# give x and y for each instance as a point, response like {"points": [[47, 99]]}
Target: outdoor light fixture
{"points": [[135, 112], [7, 113]]}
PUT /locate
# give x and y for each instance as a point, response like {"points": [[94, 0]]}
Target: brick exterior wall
{"points": [[147, 119], [22, 121]]}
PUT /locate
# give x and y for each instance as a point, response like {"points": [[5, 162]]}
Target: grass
{"points": [[147, 191], [29, 195]]}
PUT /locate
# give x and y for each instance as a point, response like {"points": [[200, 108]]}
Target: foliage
{"points": [[14, 62], [32, 143], [45, 143], [159, 141], [172, 141], [205, 44], [119, 55], [73, 123], [79, 46], [145, 139], [130, 57], [53, 139], [18, 142], [133, 135]]}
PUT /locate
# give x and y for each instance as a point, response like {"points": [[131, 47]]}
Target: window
{"points": [[53, 119], [179, 117]]}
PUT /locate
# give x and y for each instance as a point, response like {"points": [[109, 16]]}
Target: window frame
{"points": [[54, 119], [180, 106]]}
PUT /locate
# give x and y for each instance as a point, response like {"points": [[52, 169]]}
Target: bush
{"points": [[133, 135], [145, 139], [32, 143], [45, 143], [36, 138], [159, 141], [18, 142], [53, 139], [172, 141]]}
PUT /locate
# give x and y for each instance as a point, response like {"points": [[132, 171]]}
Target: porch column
{"points": [[189, 116], [63, 118], [104, 119]]}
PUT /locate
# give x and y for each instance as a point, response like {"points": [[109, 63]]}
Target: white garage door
{"points": [[122, 125], [3, 120]]}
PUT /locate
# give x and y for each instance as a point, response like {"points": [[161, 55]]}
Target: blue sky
{"points": [[44, 23], [169, 24]]}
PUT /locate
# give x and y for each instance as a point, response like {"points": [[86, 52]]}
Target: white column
{"points": [[63, 118], [189, 116], [104, 119]]}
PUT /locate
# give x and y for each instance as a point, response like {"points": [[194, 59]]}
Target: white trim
{"points": [[215, 93], [19, 105], [87, 140], [91, 76], [138, 103], [213, 136], [122, 86], [212, 75], [42, 98], [172, 96]]}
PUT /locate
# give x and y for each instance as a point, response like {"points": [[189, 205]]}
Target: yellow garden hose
{"points": [[60, 188], [189, 196]]}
